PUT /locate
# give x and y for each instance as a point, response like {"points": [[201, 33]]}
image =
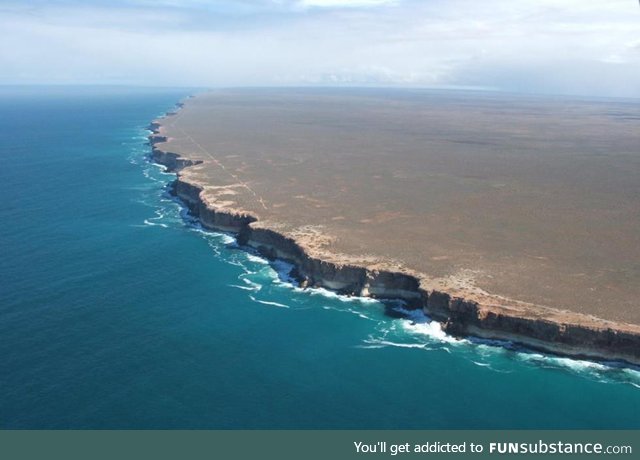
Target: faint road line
{"points": [[215, 160]]}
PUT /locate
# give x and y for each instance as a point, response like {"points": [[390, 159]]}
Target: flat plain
{"points": [[498, 197]]}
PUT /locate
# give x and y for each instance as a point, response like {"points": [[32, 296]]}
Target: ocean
{"points": [[118, 311]]}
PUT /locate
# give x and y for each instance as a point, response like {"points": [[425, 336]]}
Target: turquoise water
{"points": [[117, 311]]}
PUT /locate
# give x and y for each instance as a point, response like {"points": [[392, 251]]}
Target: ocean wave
{"points": [[431, 329], [149, 175], [268, 302], [378, 343], [227, 239], [155, 224], [257, 259], [239, 263], [609, 372], [219, 238], [253, 284], [194, 225], [319, 291], [244, 288]]}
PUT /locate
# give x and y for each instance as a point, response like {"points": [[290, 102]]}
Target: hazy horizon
{"points": [[49, 87], [533, 47]]}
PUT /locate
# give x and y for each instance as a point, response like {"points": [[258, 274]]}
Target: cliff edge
{"points": [[462, 310]]}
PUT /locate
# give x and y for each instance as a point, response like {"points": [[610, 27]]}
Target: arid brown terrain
{"points": [[518, 202]]}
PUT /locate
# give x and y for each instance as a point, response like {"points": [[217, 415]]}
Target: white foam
{"points": [[255, 286], [632, 373], [432, 329], [246, 288], [377, 343], [196, 226], [575, 364], [154, 224], [319, 291], [225, 239], [257, 259], [146, 173], [611, 372], [371, 347], [215, 248], [266, 302]]}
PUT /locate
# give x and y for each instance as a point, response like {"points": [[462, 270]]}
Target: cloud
{"points": [[566, 46], [344, 3]]}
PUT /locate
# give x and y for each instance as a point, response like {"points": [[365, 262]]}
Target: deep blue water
{"points": [[116, 311]]}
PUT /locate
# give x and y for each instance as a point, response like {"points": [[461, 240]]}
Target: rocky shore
{"points": [[537, 327]]}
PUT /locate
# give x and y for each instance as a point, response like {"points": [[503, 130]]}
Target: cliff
{"points": [[536, 327]]}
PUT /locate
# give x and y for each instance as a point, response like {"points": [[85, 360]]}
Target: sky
{"points": [[587, 47]]}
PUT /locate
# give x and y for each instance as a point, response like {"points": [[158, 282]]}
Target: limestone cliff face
{"points": [[606, 341], [343, 278], [549, 330], [172, 161]]}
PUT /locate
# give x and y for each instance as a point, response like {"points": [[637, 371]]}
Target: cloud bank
{"points": [[549, 46]]}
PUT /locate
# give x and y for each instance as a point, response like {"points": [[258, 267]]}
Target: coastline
{"points": [[546, 329]]}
